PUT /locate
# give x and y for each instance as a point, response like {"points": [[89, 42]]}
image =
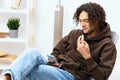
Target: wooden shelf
{"points": [[14, 45], [6, 60]]}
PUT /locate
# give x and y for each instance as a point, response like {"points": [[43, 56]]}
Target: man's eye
{"points": [[86, 21]]}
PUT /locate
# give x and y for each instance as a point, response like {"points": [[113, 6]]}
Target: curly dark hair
{"points": [[94, 10]]}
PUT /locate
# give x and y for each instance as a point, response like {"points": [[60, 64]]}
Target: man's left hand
{"points": [[83, 47]]}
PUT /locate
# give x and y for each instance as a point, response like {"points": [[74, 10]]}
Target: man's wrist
{"points": [[88, 56]]}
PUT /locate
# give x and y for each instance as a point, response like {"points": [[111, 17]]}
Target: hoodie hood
{"points": [[104, 33]]}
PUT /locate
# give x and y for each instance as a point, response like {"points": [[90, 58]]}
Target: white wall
{"points": [[45, 23]]}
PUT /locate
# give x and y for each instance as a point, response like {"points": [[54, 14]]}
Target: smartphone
{"points": [[51, 57]]}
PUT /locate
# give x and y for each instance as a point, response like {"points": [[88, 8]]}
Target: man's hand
{"points": [[53, 63], [83, 47]]}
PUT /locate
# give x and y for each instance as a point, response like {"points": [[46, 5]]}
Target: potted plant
{"points": [[13, 25]]}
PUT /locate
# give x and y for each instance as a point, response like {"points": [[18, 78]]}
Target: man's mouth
{"points": [[84, 29]]}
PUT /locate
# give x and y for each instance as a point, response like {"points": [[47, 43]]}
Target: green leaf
{"points": [[13, 23]]}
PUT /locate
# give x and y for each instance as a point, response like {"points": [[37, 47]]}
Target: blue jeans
{"points": [[32, 65]]}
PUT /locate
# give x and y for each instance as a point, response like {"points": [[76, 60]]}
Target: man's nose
{"points": [[82, 23]]}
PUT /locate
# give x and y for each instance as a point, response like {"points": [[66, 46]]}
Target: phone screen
{"points": [[51, 57]]}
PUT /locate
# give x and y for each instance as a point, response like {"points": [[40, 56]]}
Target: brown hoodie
{"points": [[102, 49]]}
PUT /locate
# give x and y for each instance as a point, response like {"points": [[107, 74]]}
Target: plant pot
{"points": [[13, 33]]}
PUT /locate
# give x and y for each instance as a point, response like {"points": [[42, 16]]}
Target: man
{"points": [[81, 55]]}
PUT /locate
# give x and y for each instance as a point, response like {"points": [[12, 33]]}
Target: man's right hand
{"points": [[53, 63]]}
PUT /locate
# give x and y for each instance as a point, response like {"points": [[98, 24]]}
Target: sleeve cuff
{"points": [[91, 64]]}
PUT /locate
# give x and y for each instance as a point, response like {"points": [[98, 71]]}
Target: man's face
{"points": [[85, 23]]}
